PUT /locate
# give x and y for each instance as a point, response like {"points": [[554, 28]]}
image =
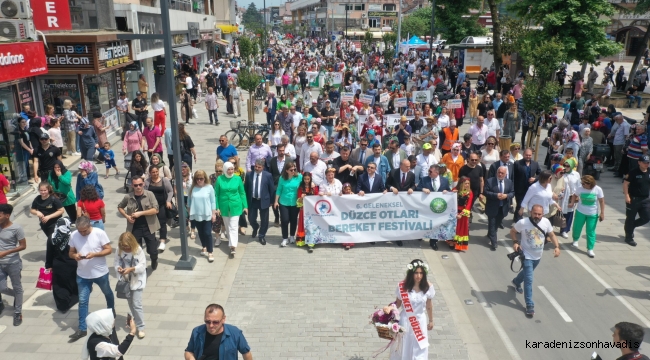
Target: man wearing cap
{"points": [[313, 110], [139, 104], [45, 157], [425, 159], [636, 188], [402, 130], [327, 116]]}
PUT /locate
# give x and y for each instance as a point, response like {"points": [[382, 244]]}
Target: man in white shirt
{"points": [[492, 123], [122, 106], [188, 84], [289, 149], [425, 160], [308, 147], [540, 193], [212, 105], [89, 246], [533, 232], [479, 133], [329, 153], [316, 167], [296, 116]]}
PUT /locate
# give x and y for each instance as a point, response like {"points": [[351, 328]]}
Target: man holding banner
{"points": [[433, 183], [401, 180]]}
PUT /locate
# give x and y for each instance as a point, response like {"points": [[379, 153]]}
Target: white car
{"points": [[440, 43]]}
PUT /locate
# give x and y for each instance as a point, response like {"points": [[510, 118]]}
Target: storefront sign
{"points": [[206, 36], [88, 58], [382, 13], [375, 7], [21, 60], [51, 15], [194, 29], [70, 56], [111, 120], [114, 51]]}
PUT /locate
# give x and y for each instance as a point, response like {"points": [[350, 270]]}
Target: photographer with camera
{"points": [[534, 230]]}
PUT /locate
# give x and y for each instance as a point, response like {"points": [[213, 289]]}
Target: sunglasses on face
{"points": [[491, 144], [215, 323], [294, 169], [200, 179], [473, 160], [138, 185]]}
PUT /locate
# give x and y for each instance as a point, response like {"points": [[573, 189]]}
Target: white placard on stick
{"points": [[366, 99], [421, 97], [400, 102], [347, 96], [455, 103], [384, 97]]}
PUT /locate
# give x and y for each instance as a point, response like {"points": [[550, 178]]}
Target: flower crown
{"points": [[419, 264]]}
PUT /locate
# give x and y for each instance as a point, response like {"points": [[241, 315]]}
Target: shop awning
{"points": [[188, 50], [222, 42], [227, 29]]}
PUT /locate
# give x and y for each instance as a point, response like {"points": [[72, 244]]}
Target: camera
{"points": [[513, 255]]}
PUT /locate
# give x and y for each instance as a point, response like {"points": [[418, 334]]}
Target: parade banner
{"points": [[366, 99], [400, 102], [421, 97], [312, 78], [347, 96], [384, 97], [393, 119], [379, 217], [454, 103]]}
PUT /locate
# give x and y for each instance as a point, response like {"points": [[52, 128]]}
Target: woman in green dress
{"points": [[61, 180], [231, 202]]}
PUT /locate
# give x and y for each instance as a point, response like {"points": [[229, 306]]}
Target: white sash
{"points": [[420, 334]]}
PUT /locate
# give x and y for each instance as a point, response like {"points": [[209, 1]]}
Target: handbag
{"points": [[545, 143], [559, 220], [60, 196], [44, 280], [123, 286], [171, 213]]}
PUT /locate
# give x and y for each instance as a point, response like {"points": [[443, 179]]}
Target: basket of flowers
{"points": [[386, 321]]}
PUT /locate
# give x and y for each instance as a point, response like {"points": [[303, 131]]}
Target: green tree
{"points": [[417, 23], [389, 39], [247, 48], [642, 7], [248, 80], [366, 44], [507, 35], [252, 16], [580, 24], [454, 21]]}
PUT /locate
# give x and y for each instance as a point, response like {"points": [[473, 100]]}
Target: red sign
{"points": [[51, 15], [22, 60]]}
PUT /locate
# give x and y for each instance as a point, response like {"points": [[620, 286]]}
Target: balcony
{"points": [[195, 6]]}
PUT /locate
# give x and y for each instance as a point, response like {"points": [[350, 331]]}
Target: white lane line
{"points": [[488, 309], [615, 293], [555, 304]]}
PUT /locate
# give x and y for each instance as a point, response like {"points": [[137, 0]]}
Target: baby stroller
{"points": [[127, 166], [480, 86]]}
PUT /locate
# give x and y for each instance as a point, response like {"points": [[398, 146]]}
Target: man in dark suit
{"points": [[370, 182], [275, 165], [401, 179], [394, 154], [433, 183], [498, 192], [504, 160], [526, 171], [259, 190]]}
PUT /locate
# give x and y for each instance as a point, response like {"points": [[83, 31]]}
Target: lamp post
{"points": [[399, 28], [433, 21]]}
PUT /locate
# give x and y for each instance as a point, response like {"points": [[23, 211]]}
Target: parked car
{"points": [[440, 43]]}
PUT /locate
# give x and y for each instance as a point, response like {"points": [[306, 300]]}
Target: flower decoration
{"points": [[409, 266], [395, 327]]}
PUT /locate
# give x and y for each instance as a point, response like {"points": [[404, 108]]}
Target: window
{"points": [[357, 7], [374, 22], [389, 7], [83, 14], [388, 22]]}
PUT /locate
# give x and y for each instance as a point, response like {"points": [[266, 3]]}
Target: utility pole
{"points": [[433, 21], [399, 28], [264, 34]]}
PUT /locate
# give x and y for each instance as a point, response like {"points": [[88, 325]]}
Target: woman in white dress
{"points": [[275, 136], [414, 295]]}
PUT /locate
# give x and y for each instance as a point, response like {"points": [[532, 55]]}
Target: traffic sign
{"points": [[333, 37]]}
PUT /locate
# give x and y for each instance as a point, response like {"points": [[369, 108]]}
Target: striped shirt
{"points": [[638, 146]]}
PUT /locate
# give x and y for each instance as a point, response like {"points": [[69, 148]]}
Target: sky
{"points": [[260, 3]]}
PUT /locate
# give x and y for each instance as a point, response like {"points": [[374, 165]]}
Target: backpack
{"points": [[194, 81]]}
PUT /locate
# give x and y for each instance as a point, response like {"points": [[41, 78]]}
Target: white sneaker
{"points": [[575, 244], [591, 253], [564, 235], [292, 239], [284, 243], [217, 242], [76, 154], [222, 236], [204, 253], [161, 247]]}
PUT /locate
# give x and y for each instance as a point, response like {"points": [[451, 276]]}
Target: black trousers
{"points": [[493, 223], [162, 219], [253, 209], [640, 206], [289, 216], [147, 239], [519, 197], [72, 212]]}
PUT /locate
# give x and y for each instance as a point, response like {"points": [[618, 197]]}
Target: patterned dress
{"points": [[300, 233], [461, 239]]}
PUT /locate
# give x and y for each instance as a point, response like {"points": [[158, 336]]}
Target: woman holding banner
{"points": [[414, 296], [306, 188]]}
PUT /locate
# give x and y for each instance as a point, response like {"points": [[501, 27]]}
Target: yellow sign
{"points": [[227, 29], [118, 61]]}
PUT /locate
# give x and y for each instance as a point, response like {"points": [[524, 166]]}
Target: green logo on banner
{"points": [[438, 205]]}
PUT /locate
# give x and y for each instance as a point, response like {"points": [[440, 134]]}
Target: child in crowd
{"points": [[109, 159], [408, 147], [565, 106], [584, 124], [568, 154]]}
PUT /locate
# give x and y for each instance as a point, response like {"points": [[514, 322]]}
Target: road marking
{"points": [[615, 293], [555, 304], [488, 309]]}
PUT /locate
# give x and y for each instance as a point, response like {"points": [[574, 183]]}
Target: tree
{"points": [[454, 21], [248, 80], [577, 23], [247, 49], [252, 16], [507, 35], [366, 45], [642, 6], [389, 39], [417, 23]]}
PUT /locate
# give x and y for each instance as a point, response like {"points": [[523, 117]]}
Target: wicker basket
{"points": [[234, 124], [384, 331]]}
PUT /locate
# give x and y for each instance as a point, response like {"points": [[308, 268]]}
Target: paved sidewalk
{"points": [[289, 303]]}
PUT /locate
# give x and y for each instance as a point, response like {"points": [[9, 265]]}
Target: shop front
{"points": [[88, 70], [19, 63]]}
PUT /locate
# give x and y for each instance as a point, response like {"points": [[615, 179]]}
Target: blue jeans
{"points": [[631, 99], [526, 276], [330, 131], [97, 224], [85, 288]]}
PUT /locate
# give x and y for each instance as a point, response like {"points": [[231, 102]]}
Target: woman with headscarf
{"points": [[88, 140], [63, 268], [132, 139], [371, 124], [231, 202], [102, 343], [88, 176], [157, 162], [61, 180]]}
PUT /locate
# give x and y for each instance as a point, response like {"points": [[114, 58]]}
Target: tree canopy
{"points": [[252, 17], [453, 21]]}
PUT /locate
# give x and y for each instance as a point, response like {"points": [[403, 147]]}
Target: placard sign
{"points": [[421, 97], [400, 102], [366, 99], [393, 119], [384, 97], [454, 103], [347, 96]]}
